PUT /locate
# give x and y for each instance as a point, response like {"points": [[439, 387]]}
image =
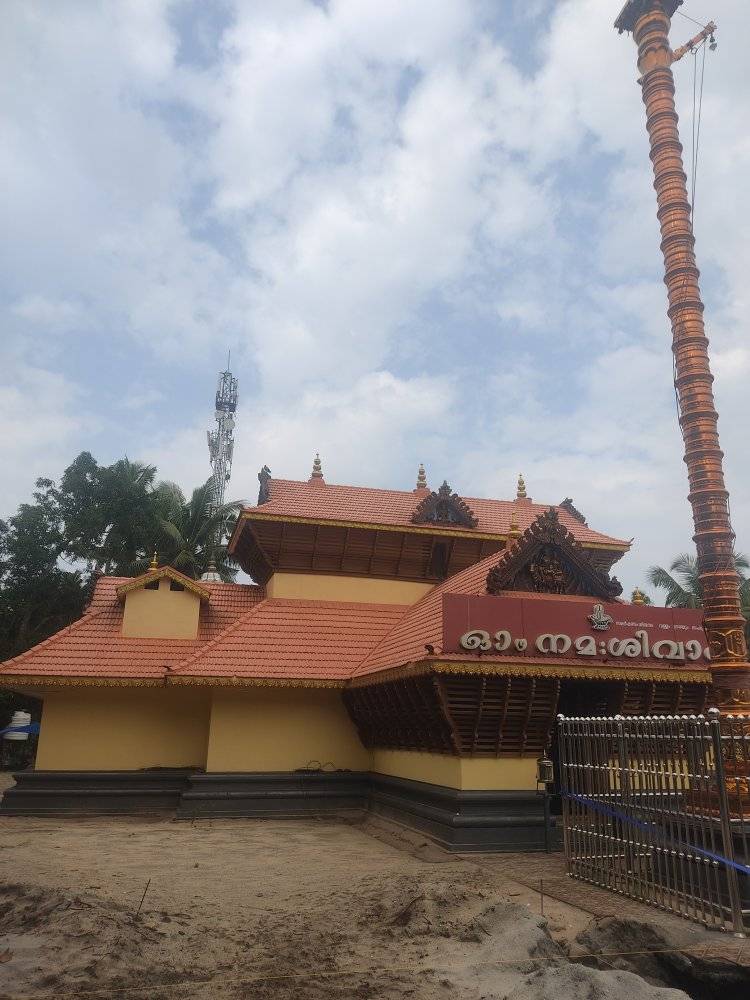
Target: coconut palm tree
{"points": [[684, 590], [125, 502], [185, 532]]}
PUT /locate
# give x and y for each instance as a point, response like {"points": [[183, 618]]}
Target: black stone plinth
{"points": [[465, 821], [458, 821], [91, 793], [279, 794]]}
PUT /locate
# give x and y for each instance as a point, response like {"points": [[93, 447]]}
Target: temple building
{"points": [[404, 652]]}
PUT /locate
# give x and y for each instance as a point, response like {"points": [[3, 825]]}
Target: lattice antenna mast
{"points": [[221, 447], [221, 440]]}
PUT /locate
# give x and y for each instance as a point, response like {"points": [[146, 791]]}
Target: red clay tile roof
{"points": [[239, 634], [292, 498], [295, 640], [422, 623], [94, 646]]}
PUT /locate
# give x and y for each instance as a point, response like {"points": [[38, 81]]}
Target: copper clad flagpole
{"points": [[649, 21]]}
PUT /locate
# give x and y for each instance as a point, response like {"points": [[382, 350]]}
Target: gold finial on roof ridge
{"points": [[422, 478], [154, 564], [317, 469], [638, 597], [521, 488], [515, 531]]}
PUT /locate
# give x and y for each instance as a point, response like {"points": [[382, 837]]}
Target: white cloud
{"points": [[41, 416], [47, 312]]}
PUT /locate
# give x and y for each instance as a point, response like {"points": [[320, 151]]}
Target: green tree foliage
{"points": [[37, 595], [187, 530], [105, 513], [683, 589], [98, 519]]}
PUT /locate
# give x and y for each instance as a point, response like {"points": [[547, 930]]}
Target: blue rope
{"points": [[652, 828], [33, 728]]}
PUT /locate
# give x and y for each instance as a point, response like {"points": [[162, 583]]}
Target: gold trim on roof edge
{"points": [[569, 671], [167, 680], [160, 574], [52, 680], [178, 680], [249, 515]]}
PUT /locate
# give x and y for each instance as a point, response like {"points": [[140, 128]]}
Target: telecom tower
{"points": [[220, 450]]}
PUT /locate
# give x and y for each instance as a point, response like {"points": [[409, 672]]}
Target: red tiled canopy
{"points": [[365, 505]]}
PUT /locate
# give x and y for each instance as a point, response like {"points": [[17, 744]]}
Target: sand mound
{"points": [[427, 934], [58, 939], [578, 983], [660, 958]]}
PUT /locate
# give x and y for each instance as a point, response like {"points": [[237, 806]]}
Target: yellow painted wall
{"points": [[281, 729], [162, 613], [358, 589], [102, 729], [246, 729], [466, 773]]}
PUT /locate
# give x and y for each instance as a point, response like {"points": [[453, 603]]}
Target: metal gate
{"points": [[658, 809]]}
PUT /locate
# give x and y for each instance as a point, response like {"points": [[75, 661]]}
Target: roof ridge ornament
{"points": [[421, 479], [567, 504], [154, 564], [444, 507], [317, 471], [521, 489], [264, 478]]}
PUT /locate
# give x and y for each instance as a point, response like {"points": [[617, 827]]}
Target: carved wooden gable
{"points": [[444, 507], [547, 559]]}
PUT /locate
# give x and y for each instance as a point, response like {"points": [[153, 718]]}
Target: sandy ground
{"points": [[282, 909]]}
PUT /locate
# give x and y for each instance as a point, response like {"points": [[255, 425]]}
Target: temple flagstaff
{"points": [[649, 21]]}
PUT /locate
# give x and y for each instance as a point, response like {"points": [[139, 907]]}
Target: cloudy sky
{"points": [[426, 230]]}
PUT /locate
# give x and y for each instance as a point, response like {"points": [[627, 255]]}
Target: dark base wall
{"points": [[279, 794], [464, 821], [86, 793], [459, 821]]}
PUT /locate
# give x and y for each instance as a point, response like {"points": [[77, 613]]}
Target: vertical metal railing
{"points": [[658, 809]]}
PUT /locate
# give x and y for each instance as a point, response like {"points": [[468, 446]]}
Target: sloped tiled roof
{"points": [[94, 646], [295, 639], [422, 623], [292, 498], [239, 634]]}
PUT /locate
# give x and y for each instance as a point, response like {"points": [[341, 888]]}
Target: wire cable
{"points": [[688, 18], [698, 132]]}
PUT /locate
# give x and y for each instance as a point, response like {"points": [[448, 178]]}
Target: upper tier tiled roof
{"points": [[363, 504]]}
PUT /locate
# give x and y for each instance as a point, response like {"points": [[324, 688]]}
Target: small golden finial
{"points": [[154, 564], [317, 469], [521, 488], [638, 597], [422, 478], [515, 531]]}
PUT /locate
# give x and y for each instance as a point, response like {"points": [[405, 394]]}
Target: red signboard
{"points": [[585, 630]]}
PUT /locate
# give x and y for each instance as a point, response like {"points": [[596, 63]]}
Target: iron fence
{"points": [[658, 809]]}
